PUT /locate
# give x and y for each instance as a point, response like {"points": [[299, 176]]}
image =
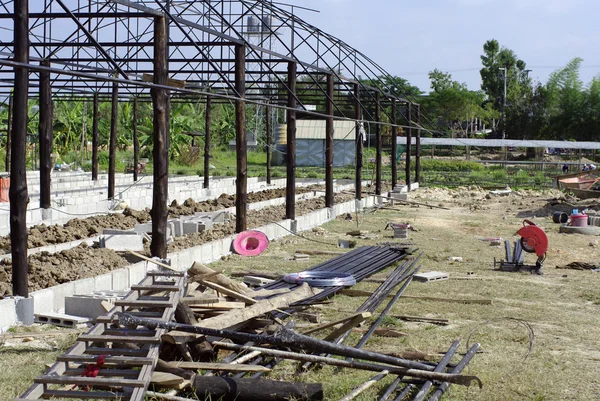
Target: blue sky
{"points": [[410, 38]]}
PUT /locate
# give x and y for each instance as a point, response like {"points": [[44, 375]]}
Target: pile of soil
{"points": [[225, 201], [47, 270], [42, 235]]}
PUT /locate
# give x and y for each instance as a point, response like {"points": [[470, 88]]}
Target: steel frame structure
{"points": [[109, 50]]}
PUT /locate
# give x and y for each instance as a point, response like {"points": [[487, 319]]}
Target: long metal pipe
{"points": [[95, 136], [442, 388], [45, 135], [329, 143], [207, 127]]}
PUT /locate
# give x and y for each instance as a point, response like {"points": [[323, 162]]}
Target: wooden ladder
{"points": [[130, 353]]}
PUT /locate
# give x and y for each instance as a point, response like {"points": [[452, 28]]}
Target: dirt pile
{"points": [[225, 201], [42, 235], [47, 270]]}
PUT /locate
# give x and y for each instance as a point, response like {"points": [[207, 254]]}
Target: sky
{"points": [[411, 38]]}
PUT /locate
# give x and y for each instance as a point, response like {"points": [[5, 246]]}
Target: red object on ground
{"points": [[533, 238], [579, 220], [92, 371], [250, 243]]}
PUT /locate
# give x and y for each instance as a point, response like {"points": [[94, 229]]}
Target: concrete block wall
{"points": [[92, 200], [51, 300]]}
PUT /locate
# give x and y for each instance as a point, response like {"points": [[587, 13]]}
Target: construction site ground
{"points": [[539, 335]]}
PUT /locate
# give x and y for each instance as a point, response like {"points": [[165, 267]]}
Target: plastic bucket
{"points": [[560, 217], [579, 220]]}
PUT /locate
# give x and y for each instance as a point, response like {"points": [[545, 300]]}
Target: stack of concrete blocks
{"points": [[122, 240], [92, 305], [399, 193]]}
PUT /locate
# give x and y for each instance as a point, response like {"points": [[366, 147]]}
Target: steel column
{"points": [[45, 133], [359, 144], [95, 138], [418, 144], [241, 144], [136, 142], [160, 151], [207, 122], [329, 143], [290, 193], [8, 132], [269, 140], [394, 144], [379, 148], [18, 195], [408, 143], [112, 145]]}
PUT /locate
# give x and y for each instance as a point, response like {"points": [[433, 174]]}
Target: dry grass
{"points": [[562, 306]]}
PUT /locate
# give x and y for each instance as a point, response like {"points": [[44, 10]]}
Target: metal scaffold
{"points": [[161, 51]]}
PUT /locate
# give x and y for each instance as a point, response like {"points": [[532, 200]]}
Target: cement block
{"points": [[43, 300], [177, 227], [61, 320], [191, 227], [89, 306], [137, 272], [120, 242], [205, 255], [120, 279], [84, 286], [60, 293], [110, 231], [103, 282], [8, 314]]}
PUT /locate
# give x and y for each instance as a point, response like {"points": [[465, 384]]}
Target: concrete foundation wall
{"points": [[52, 300], [76, 196]]}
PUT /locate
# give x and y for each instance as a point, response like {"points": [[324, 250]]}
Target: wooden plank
{"points": [[119, 339], [365, 316], [116, 351], [268, 293], [229, 292], [200, 300], [143, 303], [219, 306], [125, 373], [352, 323], [85, 395], [176, 83], [361, 293], [88, 381], [384, 332], [237, 316], [168, 380], [223, 367], [156, 262], [156, 287], [121, 360]]}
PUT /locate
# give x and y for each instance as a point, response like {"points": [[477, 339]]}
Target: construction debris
{"points": [[234, 335]]}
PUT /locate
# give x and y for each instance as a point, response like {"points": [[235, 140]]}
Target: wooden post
{"points": [[394, 145], [290, 193], [160, 151], [379, 144], [45, 133], [18, 195], [112, 146], [241, 144], [8, 132], [207, 142], [95, 139], [329, 143], [269, 140], [418, 145], [136, 141], [408, 143], [359, 144]]}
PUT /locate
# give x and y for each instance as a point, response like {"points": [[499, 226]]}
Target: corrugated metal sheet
{"points": [[311, 152], [497, 143], [315, 129]]}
